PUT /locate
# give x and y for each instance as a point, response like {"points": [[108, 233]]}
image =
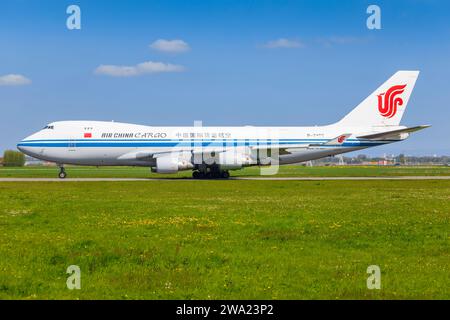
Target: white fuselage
{"points": [[101, 143], [212, 150]]}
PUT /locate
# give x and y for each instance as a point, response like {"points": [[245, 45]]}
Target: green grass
{"points": [[288, 170], [225, 239]]}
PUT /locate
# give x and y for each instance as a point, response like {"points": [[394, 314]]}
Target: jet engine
{"points": [[233, 160], [173, 162]]}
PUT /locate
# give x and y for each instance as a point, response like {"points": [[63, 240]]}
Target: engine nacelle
{"points": [[232, 160], [172, 163]]}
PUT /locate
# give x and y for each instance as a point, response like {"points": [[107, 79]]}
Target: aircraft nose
{"points": [[24, 147]]}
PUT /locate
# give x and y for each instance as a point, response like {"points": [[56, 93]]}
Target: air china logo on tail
{"points": [[389, 101]]}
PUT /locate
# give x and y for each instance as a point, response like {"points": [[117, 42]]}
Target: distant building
{"points": [[385, 162]]}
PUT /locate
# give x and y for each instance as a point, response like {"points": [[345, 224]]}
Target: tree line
{"points": [[13, 158]]}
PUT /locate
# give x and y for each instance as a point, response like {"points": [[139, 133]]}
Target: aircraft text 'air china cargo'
{"points": [[210, 152]]}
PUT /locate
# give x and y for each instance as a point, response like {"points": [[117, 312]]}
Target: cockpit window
{"points": [[49, 127]]}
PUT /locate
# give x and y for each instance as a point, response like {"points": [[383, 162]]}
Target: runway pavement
{"points": [[262, 178]]}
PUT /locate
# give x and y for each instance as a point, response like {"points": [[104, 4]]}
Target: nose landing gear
{"points": [[62, 172]]}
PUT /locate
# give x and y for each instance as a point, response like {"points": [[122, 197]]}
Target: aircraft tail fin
{"points": [[386, 105]]}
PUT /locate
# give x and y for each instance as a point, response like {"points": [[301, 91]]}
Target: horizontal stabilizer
{"points": [[393, 133]]}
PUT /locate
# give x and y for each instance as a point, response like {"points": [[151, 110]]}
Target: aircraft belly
{"points": [[91, 156], [110, 156]]}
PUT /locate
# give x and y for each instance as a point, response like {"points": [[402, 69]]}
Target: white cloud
{"points": [[284, 43], [172, 46], [139, 69], [344, 40], [14, 80], [340, 40]]}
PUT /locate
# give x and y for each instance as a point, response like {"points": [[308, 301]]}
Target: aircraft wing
{"points": [[286, 149], [339, 140], [392, 133], [140, 155], [282, 149]]}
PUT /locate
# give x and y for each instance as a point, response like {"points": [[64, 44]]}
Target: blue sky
{"points": [[233, 72]]}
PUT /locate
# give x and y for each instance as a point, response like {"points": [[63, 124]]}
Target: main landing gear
{"points": [[62, 172], [222, 174]]}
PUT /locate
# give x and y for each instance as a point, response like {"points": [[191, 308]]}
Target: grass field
{"points": [[225, 239], [284, 171]]}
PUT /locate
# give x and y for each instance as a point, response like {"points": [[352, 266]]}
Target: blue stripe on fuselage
{"points": [[64, 143]]}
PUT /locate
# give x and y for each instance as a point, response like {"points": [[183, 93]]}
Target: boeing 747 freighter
{"points": [[210, 152]]}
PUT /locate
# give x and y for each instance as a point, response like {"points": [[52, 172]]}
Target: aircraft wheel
{"points": [[225, 174], [215, 175], [62, 175], [208, 175], [199, 175]]}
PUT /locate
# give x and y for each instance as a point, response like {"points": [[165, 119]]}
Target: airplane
{"points": [[211, 152]]}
